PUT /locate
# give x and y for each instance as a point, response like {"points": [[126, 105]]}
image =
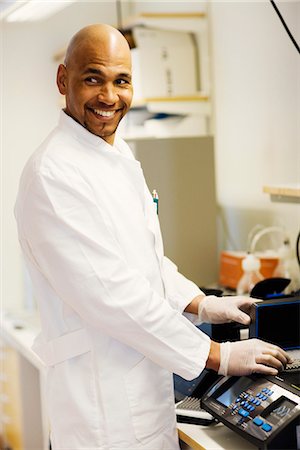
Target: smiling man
{"points": [[97, 87], [110, 302]]}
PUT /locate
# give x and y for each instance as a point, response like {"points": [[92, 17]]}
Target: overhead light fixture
{"points": [[33, 10]]}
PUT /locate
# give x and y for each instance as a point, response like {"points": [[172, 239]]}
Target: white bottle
{"points": [[251, 275], [286, 267]]}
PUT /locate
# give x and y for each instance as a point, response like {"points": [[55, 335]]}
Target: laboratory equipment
{"points": [[262, 409], [187, 398]]}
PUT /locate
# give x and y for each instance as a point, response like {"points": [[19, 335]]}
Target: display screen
{"points": [[231, 394], [282, 408], [279, 324]]}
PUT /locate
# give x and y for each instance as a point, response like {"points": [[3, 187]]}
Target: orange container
{"points": [[231, 267]]}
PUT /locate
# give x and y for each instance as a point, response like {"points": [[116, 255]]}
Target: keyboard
{"points": [[190, 407], [295, 365]]}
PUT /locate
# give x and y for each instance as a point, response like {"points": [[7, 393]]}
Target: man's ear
{"points": [[61, 79]]}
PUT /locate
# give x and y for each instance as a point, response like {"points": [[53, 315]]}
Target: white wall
{"points": [[256, 72], [256, 110]]}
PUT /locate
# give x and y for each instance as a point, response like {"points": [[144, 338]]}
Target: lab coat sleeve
{"points": [[180, 290], [74, 247]]}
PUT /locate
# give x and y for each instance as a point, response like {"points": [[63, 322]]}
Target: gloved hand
{"points": [[249, 356], [214, 309]]}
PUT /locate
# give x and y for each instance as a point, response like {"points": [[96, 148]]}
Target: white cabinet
{"points": [[170, 127], [171, 75]]}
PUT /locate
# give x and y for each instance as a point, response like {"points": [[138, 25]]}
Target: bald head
{"points": [[96, 35], [96, 79]]}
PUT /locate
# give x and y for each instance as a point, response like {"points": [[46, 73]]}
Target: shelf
{"points": [[168, 21], [180, 105], [191, 22], [179, 98], [174, 15], [287, 193]]}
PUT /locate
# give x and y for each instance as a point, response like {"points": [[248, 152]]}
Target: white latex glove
{"points": [[214, 309], [249, 356]]}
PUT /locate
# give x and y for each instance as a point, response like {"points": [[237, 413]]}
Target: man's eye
{"points": [[91, 80], [122, 81]]}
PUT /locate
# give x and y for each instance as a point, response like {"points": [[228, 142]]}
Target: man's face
{"points": [[97, 86]]}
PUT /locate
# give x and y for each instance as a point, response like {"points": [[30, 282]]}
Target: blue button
{"points": [[264, 397], [234, 407], [238, 400], [271, 392], [257, 421], [243, 402], [246, 395], [243, 413], [249, 407], [252, 408], [266, 427], [264, 390], [257, 402]]}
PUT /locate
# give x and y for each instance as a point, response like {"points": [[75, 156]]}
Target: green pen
{"points": [[155, 198]]}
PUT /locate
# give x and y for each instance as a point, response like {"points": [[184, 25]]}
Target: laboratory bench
{"points": [[212, 437], [25, 420]]}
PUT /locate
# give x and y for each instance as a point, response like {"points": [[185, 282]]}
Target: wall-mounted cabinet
{"points": [[171, 74]]}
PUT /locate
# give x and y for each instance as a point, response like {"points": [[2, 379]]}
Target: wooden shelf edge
{"points": [[174, 15], [283, 191], [146, 18], [179, 98]]}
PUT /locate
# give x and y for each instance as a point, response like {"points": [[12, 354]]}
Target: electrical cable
{"points": [[298, 248], [285, 25], [271, 229], [252, 233]]}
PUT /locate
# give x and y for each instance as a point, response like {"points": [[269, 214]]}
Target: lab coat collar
{"points": [[87, 138]]}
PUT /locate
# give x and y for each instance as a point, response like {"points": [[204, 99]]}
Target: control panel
{"points": [[256, 407]]}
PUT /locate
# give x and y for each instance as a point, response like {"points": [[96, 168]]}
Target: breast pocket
{"points": [[150, 396]]}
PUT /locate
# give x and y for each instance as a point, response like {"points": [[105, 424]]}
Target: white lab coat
{"points": [[110, 303]]}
